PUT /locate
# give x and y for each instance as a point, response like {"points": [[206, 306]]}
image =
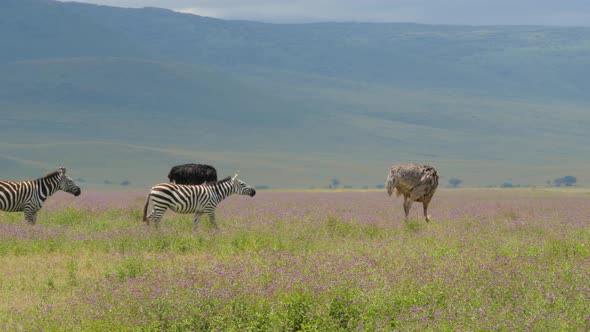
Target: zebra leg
{"points": [[407, 206], [150, 217], [31, 217], [157, 219], [156, 216], [212, 219], [196, 221]]}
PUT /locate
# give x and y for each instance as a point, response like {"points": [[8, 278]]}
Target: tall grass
{"points": [[490, 260]]}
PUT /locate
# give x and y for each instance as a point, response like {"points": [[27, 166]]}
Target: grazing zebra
{"points": [[197, 199], [416, 182], [192, 174], [28, 196]]}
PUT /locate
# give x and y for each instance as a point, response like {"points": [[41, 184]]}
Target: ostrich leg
{"points": [[425, 206], [407, 206]]}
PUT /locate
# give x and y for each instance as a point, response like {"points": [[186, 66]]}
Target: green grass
{"points": [[314, 261]]}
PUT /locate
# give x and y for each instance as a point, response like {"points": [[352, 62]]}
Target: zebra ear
{"points": [[62, 170], [235, 176]]}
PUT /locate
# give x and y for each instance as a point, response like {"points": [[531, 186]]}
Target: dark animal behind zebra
{"points": [[197, 199], [192, 174], [29, 196]]}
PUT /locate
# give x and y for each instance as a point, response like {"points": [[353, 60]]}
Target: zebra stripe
{"points": [[197, 199], [29, 196]]}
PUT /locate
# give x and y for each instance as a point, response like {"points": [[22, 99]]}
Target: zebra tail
{"points": [[145, 208], [390, 184]]}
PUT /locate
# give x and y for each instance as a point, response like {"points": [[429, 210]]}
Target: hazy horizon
{"points": [[454, 12]]}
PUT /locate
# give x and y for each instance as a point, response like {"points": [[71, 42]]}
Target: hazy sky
{"points": [[472, 12]]}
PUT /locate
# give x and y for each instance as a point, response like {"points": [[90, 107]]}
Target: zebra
{"points": [[29, 196], [197, 199], [416, 182]]}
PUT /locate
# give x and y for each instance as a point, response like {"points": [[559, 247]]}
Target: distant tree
{"points": [[262, 187], [334, 183], [454, 182], [507, 185], [380, 186], [80, 180], [566, 181], [125, 183], [107, 182]]}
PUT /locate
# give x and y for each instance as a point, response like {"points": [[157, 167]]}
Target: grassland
{"points": [[312, 261]]}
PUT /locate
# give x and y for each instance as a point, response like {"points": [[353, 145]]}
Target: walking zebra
{"points": [[28, 196], [197, 199]]}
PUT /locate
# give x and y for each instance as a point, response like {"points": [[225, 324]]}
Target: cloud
{"points": [[472, 12]]}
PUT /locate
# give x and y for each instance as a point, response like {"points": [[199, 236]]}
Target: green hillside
{"points": [[123, 94], [512, 61], [39, 29], [135, 88]]}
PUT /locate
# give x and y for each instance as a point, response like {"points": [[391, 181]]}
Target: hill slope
{"points": [[125, 93], [500, 61]]}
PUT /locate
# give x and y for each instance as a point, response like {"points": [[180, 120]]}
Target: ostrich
{"points": [[192, 174], [416, 182]]}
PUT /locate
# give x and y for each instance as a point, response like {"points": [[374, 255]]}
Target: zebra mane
{"points": [[227, 179], [50, 175]]}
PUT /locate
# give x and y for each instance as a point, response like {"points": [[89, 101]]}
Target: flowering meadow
{"points": [[490, 259]]}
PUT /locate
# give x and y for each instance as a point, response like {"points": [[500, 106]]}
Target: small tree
{"points": [[334, 183], [566, 181], [454, 182]]}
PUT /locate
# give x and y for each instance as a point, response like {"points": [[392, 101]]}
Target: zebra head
{"points": [[67, 184], [242, 188]]}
